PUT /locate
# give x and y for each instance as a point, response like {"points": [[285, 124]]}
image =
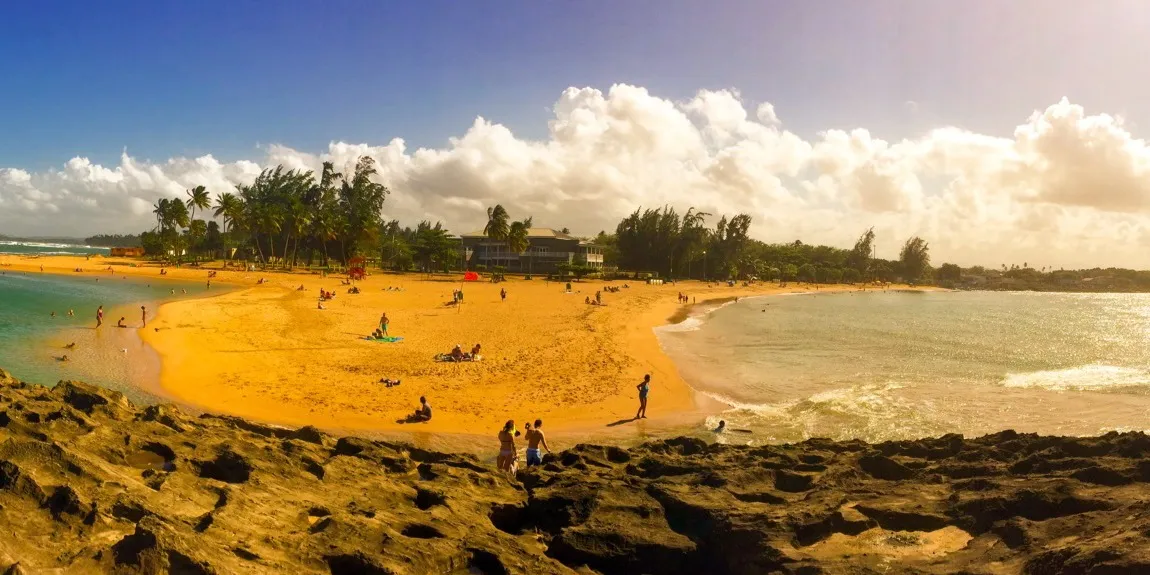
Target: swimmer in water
{"points": [[722, 427]]}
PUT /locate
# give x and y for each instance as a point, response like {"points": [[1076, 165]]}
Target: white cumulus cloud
{"points": [[1068, 189]]}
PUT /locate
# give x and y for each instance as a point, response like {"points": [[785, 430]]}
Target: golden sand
{"points": [[265, 352]]}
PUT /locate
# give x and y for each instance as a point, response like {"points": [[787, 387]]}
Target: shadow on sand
{"points": [[621, 422]]}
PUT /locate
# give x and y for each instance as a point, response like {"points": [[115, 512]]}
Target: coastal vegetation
{"points": [[113, 241], [279, 214], [293, 217]]}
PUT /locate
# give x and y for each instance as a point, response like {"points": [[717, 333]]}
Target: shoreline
{"points": [[266, 354]]}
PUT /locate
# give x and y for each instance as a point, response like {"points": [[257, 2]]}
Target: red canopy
{"points": [[470, 277]]}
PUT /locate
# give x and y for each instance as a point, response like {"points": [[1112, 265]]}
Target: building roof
{"points": [[531, 233]]}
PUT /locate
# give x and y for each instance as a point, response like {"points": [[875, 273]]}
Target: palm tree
{"points": [[197, 229], [198, 198], [159, 209], [300, 223], [227, 208], [694, 233], [517, 238], [497, 227]]}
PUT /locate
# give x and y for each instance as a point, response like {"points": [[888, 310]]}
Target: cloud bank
{"points": [[1068, 189]]}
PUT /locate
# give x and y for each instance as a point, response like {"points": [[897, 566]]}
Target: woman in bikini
{"points": [[507, 451]]}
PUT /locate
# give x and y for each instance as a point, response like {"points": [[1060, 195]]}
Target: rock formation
{"points": [[92, 484]]}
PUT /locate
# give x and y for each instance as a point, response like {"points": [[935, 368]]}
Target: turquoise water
{"points": [[32, 341], [48, 248], [881, 366]]}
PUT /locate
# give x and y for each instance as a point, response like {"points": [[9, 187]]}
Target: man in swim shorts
{"points": [[535, 438]]}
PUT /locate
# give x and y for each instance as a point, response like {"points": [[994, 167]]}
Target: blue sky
{"points": [[173, 82], [172, 79]]}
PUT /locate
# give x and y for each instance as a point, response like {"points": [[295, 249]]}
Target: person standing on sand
{"points": [[383, 324], [535, 438], [644, 388], [143, 316], [100, 316], [502, 295]]}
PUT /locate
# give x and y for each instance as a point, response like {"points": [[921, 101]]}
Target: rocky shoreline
{"points": [[91, 484]]}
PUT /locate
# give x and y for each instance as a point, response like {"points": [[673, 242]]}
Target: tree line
{"points": [[280, 215], [661, 241], [113, 241]]}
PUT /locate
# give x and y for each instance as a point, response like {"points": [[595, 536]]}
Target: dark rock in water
{"points": [[91, 484]]}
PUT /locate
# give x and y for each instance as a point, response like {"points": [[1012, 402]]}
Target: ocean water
{"points": [[32, 341], [49, 248], [899, 365]]}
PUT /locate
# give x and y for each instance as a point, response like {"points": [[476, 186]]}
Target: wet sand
{"points": [[265, 352]]}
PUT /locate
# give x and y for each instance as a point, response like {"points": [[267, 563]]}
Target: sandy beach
{"points": [[265, 352]]}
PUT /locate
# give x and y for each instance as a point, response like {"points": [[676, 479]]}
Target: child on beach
{"points": [[644, 388], [100, 316]]}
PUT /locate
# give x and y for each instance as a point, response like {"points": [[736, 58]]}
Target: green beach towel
{"points": [[388, 339]]}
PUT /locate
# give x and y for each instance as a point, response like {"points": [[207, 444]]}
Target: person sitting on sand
{"points": [[394, 382], [457, 353], [70, 346], [508, 455], [474, 355], [423, 412], [300, 288], [121, 323], [163, 272], [535, 438], [62, 358], [319, 305], [587, 300]]}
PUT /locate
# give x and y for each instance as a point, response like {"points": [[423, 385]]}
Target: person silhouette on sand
{"points": [[100, 316], [644, 388]]}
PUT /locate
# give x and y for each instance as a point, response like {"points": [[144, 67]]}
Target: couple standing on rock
{"points": [[508, 459]]}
